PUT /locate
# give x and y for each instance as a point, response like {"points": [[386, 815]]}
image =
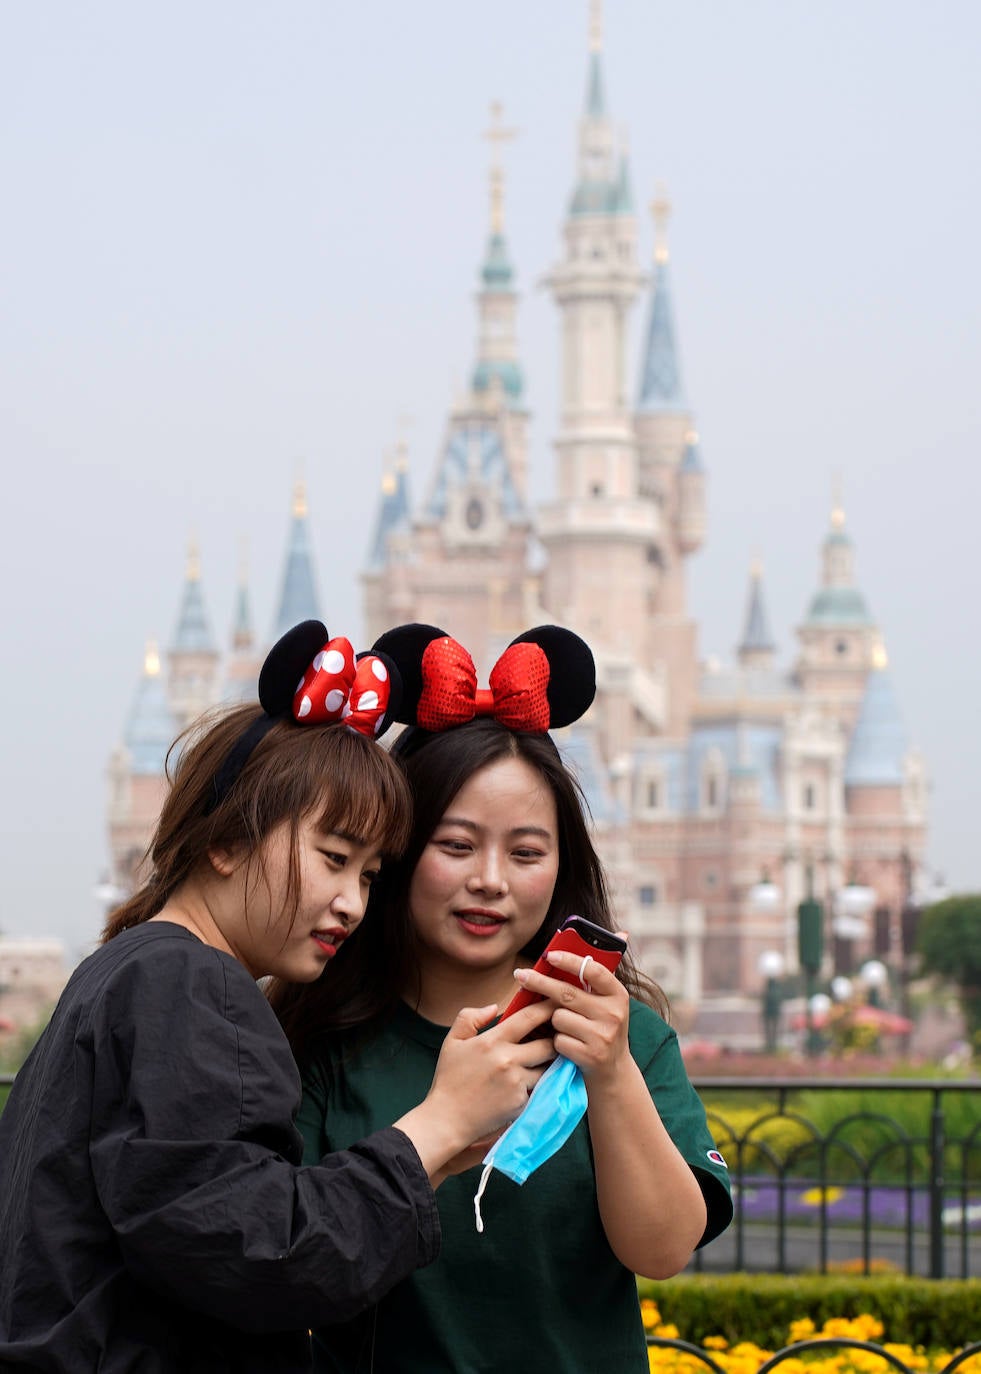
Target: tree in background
{"points": [[949, 943]]}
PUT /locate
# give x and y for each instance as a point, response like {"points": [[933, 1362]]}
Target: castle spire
{"points": [[497, 351], [298, 598], [598, 188], [838, 601], [595, 98], [151, 727], [243, 639], [756, 646], [193, 631], [393, 507], [660, 385]]}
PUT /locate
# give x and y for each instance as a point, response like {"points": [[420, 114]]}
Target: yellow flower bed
{"points": [[746, 1358]]}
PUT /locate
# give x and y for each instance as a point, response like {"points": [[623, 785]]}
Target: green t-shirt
{"points": [[540, 1289]]}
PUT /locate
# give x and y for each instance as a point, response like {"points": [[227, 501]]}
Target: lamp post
{"points": [[874, 975], [765, 897], [852, 905], [771, 968], [810, 952]]}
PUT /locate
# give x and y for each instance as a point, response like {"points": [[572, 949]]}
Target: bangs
{"points": [[367, 797]]}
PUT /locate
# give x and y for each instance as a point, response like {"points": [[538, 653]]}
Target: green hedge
{"points": [[760, 1307]]}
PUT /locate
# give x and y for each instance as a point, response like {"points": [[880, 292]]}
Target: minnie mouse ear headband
{"points": [[544, 679], [315, 680]]}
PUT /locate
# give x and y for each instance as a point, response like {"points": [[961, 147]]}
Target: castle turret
{"points": [[137, 773], [385, 580], [193, 657], [838, 638], [690, 523], [298, 598], [884, 803], [242, 674], [599, 533]]}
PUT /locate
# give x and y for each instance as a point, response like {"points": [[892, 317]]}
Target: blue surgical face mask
{"points": [[554, 1110]]}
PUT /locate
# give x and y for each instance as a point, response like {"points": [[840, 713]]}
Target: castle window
{"points": [[653, 795], [596, 489], [841, 646], [712, 782], [810, 796], [711, 878], [647, 894]]}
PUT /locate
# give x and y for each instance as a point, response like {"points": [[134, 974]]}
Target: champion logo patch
{"points": [[716, 1158]]}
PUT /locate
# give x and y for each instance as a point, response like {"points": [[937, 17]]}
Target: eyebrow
{"points": [[515, 830], [362, 840]]}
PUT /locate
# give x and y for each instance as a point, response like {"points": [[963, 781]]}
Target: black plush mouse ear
{"points": [[394, 689], [572, 672], [285, 664], [405, 646]]}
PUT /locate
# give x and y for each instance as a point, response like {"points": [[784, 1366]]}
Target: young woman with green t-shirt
{"points": [[499, 856]]}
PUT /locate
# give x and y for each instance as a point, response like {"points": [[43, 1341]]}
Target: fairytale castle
{"points": [[701, 782]]}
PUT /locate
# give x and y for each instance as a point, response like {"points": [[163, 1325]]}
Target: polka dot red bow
{"points": [[338, 687], [517, 696]]}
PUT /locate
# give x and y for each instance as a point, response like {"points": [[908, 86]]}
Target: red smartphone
{"points": [[581, 937]]}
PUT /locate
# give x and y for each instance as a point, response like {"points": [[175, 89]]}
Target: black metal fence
{"points": [[689, 1354], [858, 1190]]}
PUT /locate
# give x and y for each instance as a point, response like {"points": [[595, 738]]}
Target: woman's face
{"points": [[335, 873], [484, 882]]}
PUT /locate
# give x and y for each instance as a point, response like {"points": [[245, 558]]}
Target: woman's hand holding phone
{"points": [[481, 1083], [589, 1027]]}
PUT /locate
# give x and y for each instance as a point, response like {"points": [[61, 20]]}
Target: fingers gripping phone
{"points": [[578, 936]]}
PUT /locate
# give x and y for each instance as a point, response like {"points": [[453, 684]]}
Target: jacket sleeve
{"points": [[195, 1159]]}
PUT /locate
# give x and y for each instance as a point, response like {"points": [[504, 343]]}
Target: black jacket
{"points": [[153, 1214]]}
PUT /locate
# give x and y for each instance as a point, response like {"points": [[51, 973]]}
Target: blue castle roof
{"points": [[878, 744], [393, 514], [298, 598], [192, 634], [756, 633], [660, 383], [151, 727]]}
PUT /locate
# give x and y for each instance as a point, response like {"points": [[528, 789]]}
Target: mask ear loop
{"points": [[479, 1194]]}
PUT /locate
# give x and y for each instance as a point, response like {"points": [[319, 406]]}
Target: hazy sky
{"points": [[240, 236]]}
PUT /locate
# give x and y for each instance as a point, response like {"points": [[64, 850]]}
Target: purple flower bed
{"points": [[759, 1200]]}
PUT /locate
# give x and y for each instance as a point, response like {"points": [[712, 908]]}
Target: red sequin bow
{"points": [[337, 687], [517, 696]]}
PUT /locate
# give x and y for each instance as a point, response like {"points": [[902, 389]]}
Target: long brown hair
{"points": [[371, 972], [344, 780]]}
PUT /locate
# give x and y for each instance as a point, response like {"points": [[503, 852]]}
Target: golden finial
{"points": [[756, 567], [151, 659], [496, 135], [595, 25], [299, 499], [193, 559], [661, 211], [880, 659], [691, 436], [837, 508], [388, 484]]}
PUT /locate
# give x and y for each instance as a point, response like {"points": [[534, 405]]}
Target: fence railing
{"points": [[857, 1189], [695, 1353]]}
